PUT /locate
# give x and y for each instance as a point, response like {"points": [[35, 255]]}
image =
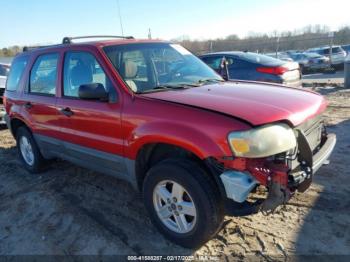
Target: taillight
{"points": [[280, 70]]}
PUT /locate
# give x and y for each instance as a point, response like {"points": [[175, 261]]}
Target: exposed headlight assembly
{"points": [[263, 141]]}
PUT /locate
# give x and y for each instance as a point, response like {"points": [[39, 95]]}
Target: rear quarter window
{"points": [[16, 72]]}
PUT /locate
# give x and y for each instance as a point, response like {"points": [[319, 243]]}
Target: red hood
{"points": [[254, 102]]}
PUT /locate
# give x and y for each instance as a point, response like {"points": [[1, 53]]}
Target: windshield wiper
{"points": [[167, 87], [209, 80]]}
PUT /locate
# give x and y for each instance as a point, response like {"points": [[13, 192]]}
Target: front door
{"points": [[90, 129]]}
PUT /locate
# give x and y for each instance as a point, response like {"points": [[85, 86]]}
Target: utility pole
{"points": [[331, 36], [149, 33], [277, 45], [120, 18]]}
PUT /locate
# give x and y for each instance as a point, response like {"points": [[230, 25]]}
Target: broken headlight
{"points": [[262, 141]]}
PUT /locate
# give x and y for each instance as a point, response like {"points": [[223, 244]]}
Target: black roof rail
{"points": [[68, 40], [29, 48]]}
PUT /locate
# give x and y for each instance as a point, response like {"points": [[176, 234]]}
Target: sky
{"points": [[30, 22]]}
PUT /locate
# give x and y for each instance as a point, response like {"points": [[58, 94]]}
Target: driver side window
{"points": [[81, 68]]}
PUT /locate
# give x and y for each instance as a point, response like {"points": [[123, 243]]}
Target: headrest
{"points": [[130, 69], [81, 74]]}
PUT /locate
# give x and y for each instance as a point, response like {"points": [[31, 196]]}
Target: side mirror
{"points": [[93, 91]]}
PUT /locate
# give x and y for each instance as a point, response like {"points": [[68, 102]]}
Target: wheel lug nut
{"points": [[179, 208], [168, 200], [174, 199], [169, 208], [176, 213]]}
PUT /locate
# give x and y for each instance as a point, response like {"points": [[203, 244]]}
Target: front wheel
{"points": [[183, 202]]}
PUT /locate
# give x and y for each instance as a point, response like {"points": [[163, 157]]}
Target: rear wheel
{"points": [[28, 151], [183, 202]]}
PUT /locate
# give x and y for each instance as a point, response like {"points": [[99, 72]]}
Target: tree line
{"points": [[308, 37]]}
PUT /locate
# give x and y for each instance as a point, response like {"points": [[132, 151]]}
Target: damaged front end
{"points": [[283, 173]]}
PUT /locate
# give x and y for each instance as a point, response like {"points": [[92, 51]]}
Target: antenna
{"points": [[120, 18]]}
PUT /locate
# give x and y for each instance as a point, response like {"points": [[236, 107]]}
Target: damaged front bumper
{"points": [[281, 181]]}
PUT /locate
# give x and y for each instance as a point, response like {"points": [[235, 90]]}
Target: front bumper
{"points": [[277, 178], [321, 157]]}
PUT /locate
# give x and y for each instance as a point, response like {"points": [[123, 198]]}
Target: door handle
{"points": [[28, 105], [67, 111]]}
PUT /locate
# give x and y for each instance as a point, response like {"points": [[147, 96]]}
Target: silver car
{"points": [[4, 71], [336, 55], [311, 61]]}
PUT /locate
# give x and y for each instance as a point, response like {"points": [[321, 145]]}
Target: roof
{"points": [[323, 47], [96, 43], [226, 53]]}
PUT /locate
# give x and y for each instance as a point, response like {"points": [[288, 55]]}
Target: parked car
{"points": [[255, 67], [151, 113], [4, 70], [346, 48], [338, 54], [311, 61]]}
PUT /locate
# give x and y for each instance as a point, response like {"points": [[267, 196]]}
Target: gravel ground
{"points": [[68, 210]]}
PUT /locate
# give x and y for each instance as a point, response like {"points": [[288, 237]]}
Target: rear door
{"points": [[91, 130], [39, 99]]}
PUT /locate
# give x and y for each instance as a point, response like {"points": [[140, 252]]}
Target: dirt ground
{"points": [[68, 210]]}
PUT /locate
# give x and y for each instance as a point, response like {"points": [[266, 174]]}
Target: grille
{"points": [[313, 131]]}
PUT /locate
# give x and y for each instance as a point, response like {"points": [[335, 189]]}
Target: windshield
{"points": [[153, 66]]}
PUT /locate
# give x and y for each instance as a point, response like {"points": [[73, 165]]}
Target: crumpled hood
{"points": [[256, 103]]}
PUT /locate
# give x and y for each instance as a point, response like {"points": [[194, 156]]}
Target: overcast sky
{"points": [[25, 22]]}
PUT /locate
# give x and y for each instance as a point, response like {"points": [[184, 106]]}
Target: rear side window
{"points": [[43, 75], [16, 73]]}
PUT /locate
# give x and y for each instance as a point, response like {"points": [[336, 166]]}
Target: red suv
{"points": [[155, 115]]}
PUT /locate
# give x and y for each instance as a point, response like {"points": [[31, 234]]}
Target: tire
{"points": [[199, 187], [38, 162]]}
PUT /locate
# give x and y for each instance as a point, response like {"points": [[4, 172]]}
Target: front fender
{"points": [[192, 139]]}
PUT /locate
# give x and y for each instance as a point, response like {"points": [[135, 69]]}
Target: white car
{"points": [[4, 71], [337, 54]]}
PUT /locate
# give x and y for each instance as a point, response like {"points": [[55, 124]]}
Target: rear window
{"points": [[16, 72], [259, 59]]}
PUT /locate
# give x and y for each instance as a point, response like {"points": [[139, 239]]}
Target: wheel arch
{"points": [[16, 123], [152, 153]]}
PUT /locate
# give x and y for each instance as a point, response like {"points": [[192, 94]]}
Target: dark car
{"points": [[254, 67]]}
